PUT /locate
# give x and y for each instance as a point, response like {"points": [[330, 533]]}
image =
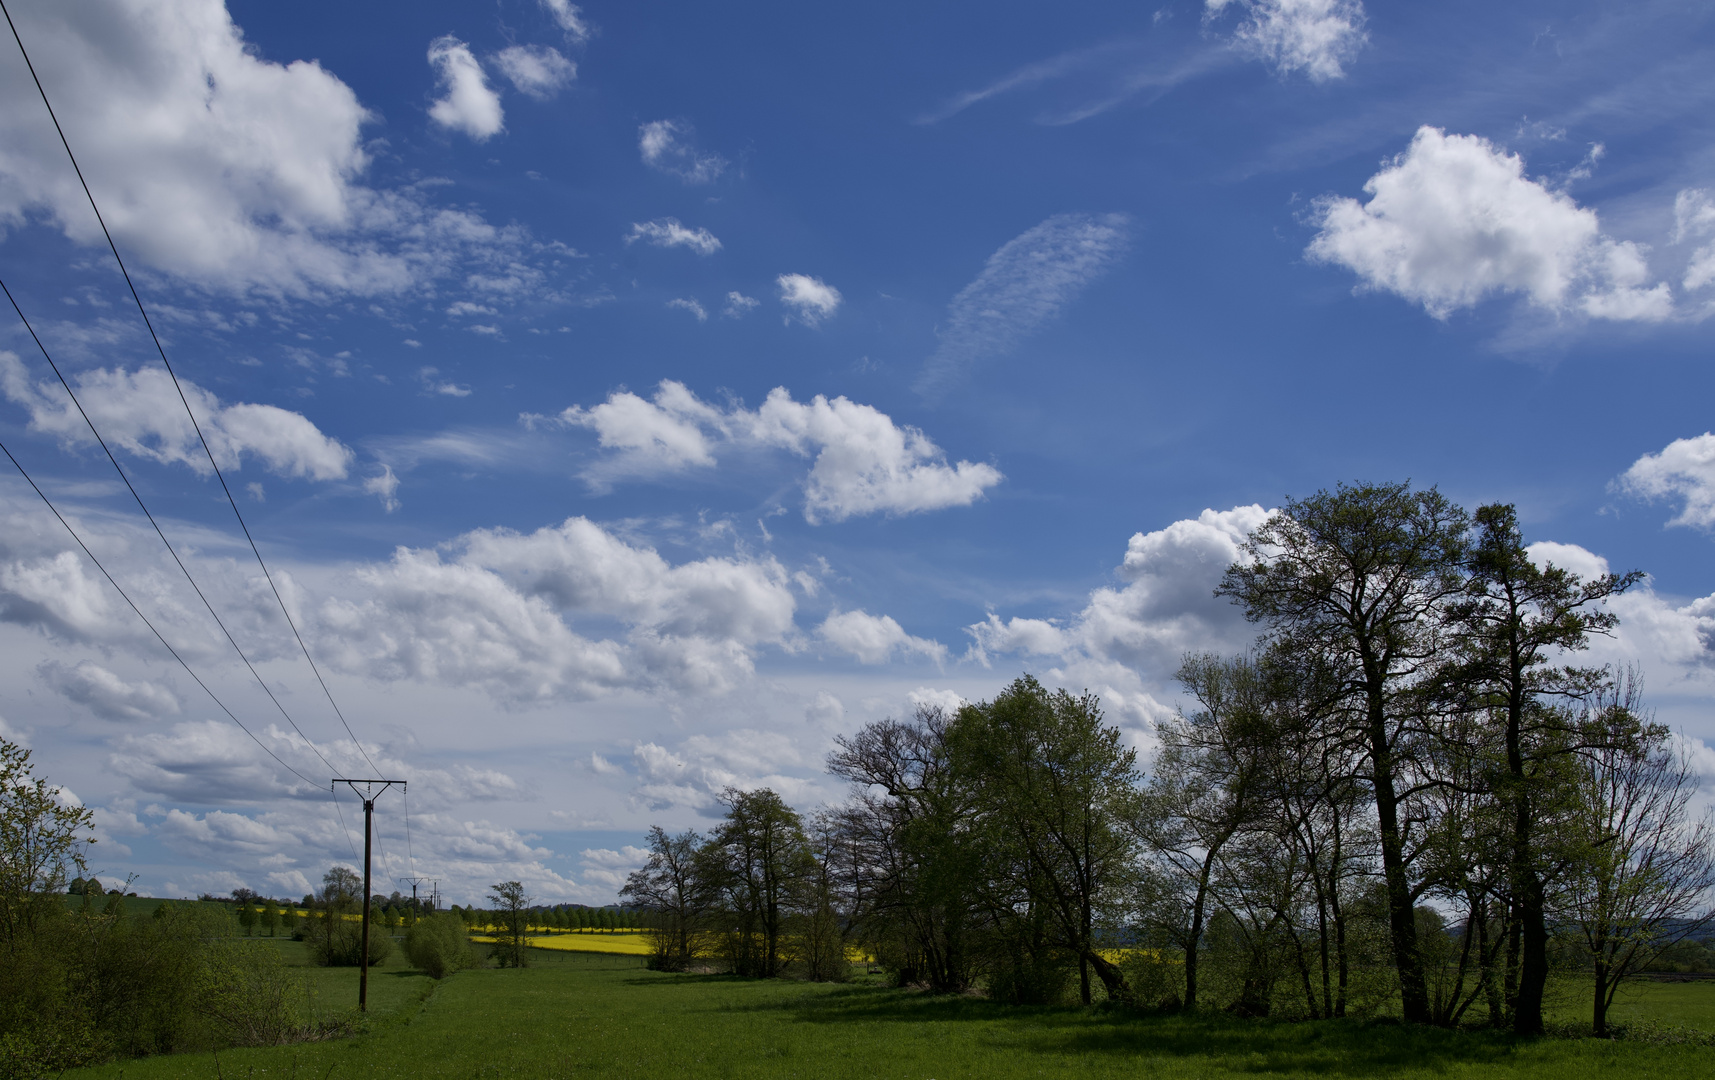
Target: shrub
{"points": [[337, 941], [437, 946]]}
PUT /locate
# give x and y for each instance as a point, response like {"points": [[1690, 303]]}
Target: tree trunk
{"points": [[1599, 1014], [1113, 980], [1402, 919], [1196, 936]]}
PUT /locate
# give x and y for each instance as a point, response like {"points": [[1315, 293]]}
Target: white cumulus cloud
{"points": [[232, 172], [537, 71], [667, 232], [468, 104], [140, 411], [502, 612], [691, 306], [1684, 470], [873, 639], [864, 463], [809, 298], [1454, 219], [1022, 286], [1317, 37], [669, 146]]}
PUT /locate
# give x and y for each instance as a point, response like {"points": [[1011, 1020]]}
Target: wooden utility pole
{"points": [[368, 796]]}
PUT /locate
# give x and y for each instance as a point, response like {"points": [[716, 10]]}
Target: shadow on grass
{"points": [[1333, 1047]]}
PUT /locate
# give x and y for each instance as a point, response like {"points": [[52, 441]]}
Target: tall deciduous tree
{"points": [[757, 856], [669, 885], [1361, 577], [1515, 618], [1058, 788], [915, 875], [1209, 782]]}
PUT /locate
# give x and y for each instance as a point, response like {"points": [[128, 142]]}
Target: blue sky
{"points": [[632, 399]]}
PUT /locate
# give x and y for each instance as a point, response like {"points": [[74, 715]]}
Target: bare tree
{"points": [[1644, 882]]}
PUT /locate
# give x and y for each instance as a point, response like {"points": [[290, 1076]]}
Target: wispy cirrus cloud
{"points": [[670, 146], [1022, 286], [667, 232], [536, 71], [1093, 80]]}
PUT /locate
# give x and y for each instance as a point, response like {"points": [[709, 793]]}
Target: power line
{"points": [[158, 532], [138, 299], [175, 653]]}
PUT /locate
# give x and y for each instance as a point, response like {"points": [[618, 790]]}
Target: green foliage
{"points": [[438, 945]]}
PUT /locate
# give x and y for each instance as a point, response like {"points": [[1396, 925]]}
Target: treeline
{"points": [[560, 917], [1408, 796]]}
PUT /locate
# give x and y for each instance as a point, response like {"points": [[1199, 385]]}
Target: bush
{"points": [[337, 941], [437, 945]]}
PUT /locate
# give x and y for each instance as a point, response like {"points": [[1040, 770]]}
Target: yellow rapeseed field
{"points": [[632, 944]]}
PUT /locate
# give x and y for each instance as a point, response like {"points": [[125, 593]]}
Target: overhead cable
{"points": [[138, 299]]}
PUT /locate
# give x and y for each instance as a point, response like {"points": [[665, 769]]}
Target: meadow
{"points": [[594, 1014]]}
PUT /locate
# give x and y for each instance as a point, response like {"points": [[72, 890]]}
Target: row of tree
{"points": [[1409, 792]]}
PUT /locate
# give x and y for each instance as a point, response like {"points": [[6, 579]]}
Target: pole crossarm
{"points": [[368, 796]]}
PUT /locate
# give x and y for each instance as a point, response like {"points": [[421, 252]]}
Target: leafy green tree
{"points": [[247, 917], [670, 886], [1059, 789], [1514, 625], [1362, 579], [42, 844], [1211, 783], [512, 912], [916, 876], [270, 917], [755, 858]]}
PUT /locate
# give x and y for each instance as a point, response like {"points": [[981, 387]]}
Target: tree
{"points": [[1210, 782], [669, 885], [1361, 578], [1060, 789], [247, 915], [42, 844], [1514, 617], [270, 920], [512, 911], [915, 876], [755, 859], [1643, 883]]}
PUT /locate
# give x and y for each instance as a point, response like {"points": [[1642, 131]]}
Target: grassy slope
{"points": [[602, 1015]]}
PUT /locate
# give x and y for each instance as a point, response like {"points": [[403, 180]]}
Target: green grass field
{"points": [[588, 1014]]}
